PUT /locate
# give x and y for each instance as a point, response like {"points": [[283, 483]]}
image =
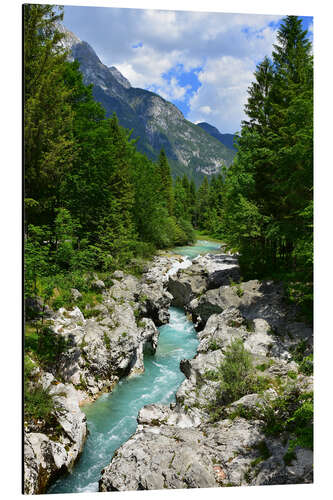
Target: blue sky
{"points": [[202, 62]]}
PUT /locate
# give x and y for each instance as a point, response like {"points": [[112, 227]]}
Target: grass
{"points": [[214, 345], [38, 403], [107, 341], [306, 365]]}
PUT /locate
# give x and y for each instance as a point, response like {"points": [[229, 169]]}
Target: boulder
{"points": [[119, 275], [35, 308], [162, 267], [171, 456], [46, 455], [220, 269], [98, 285], [75, 294], [185, 285], [154, 302]]}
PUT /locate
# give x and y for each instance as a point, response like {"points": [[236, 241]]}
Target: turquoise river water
{"points": [[111, 418]]}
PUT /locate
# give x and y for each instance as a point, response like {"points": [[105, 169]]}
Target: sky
{"points": [[202, 62]]}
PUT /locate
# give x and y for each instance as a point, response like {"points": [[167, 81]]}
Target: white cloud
{"points": [[146, 66], [224, 87], [206, 110], [226, 46]]}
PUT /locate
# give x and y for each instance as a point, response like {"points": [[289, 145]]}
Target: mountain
{"points": [[154, 121], [226, 139]]}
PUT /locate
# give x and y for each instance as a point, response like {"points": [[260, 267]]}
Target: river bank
{"points": [[103, 347], [101, 354], [244, 413]]}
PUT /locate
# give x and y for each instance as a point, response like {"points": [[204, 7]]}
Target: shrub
{"points": [[237, 377], [38, 403], [306, 366], [45, 344], [236, 372], [213, 345], [107, 341], [92, 313], [291, 412], [298, 351]]}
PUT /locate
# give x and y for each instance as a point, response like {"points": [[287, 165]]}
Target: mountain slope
{"points": [[226, 139], [155, 122]]}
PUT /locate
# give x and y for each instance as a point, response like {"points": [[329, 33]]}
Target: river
{"points": [[111, 418]]}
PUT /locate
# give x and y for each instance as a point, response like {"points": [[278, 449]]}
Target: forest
{"points": [[94, 204]]}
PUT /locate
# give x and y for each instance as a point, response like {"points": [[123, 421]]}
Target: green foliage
{"points": [[91, 313], [44, 344], [306, 365], [211, 375], [291, 412], [300, 425], [298, 351], [107, 341], [165, 187], [263, 450], [264, 366], [237, 377], [236, 372], [214, 345], [264, 207], [38, 403]]}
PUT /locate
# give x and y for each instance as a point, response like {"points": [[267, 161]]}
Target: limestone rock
{"points": [[220, 269], [98, 285], [48, 455], [75, 294], [154, 301], [118, 275]]}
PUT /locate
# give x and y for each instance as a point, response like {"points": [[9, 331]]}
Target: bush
{"points": [[237, 374], [237, 377], [45, 344], [306, 366], [291, 412], [38, 403]]}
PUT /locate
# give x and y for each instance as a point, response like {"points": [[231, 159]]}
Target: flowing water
{"points": [[112, 418], [201, 247]]}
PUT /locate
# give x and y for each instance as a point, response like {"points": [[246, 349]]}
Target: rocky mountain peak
{"points": [[119, 77], [155, 122], [69, 39]]}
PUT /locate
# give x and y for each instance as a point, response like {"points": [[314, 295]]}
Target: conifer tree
{"points": [[268, 191], [166, 181], [49, 148]]}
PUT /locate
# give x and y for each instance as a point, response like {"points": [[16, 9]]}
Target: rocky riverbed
{"points": [[201, 442], [100, 349], [193, 442]]}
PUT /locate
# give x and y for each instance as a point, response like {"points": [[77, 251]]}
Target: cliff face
{"points": [[156, 122]]}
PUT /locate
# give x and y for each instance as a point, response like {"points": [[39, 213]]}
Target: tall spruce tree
{"points": [[49, 149], [166, 181], [268, 191]]}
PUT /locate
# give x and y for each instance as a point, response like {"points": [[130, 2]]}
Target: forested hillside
{"points": [[94, 203]]}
